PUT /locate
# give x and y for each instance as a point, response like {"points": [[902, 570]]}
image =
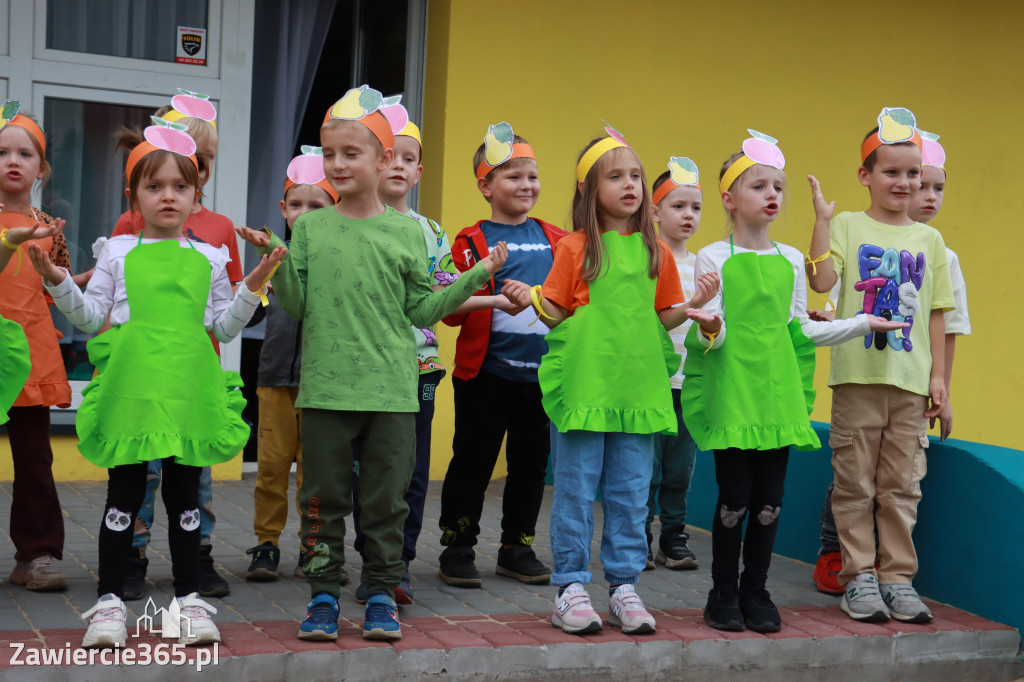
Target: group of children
{"points": [[360, 279]]}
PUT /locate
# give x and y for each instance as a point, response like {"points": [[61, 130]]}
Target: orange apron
{"points": [[22, 299]]}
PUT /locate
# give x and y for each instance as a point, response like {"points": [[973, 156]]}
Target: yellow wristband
{"points": [[536, 295], [710, 336], [3, 240], [814, 261]]}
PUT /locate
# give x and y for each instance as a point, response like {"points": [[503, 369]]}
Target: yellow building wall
{"points": [[689, 78]]}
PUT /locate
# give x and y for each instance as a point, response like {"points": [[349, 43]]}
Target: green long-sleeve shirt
{"points": [[356, 285]]}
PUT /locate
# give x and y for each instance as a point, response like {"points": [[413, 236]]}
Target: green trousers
{"points": [[388, 455]]}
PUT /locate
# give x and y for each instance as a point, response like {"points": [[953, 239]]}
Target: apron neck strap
{"points": [[732, 250], [187, 240]]}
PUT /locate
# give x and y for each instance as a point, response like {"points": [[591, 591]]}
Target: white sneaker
{"points": [[862, 600], [106, 624], [197, 627], [574, 613], [626, 610], [904, 603]]}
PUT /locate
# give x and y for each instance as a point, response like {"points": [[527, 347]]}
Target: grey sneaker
{"points": [[862, 600], [904, 603]]}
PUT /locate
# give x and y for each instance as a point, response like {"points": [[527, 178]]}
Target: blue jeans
{"points": [[620, 463], [144, 521], [674, 457]]}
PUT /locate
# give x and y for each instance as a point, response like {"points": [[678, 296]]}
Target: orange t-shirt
{"points": [[205, 226], [565, 288]]}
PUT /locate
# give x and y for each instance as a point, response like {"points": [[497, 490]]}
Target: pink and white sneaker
{"points": [[574, 613], [626, 610]]}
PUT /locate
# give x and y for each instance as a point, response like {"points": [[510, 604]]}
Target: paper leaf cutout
{"points": [[498, 144], [10, 109], [306, 149], [393, 100], [370, 100]]}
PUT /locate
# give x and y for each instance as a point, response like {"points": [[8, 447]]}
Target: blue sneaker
{"points": [[321, 622], [381, 618]]}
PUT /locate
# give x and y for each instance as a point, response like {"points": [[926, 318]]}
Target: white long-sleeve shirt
{"points": [[226, 313], [711, 259]]}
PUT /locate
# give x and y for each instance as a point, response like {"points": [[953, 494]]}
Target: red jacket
{"points": [[471, 346]]}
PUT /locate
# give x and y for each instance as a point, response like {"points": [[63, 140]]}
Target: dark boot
{"points": [[210, 582]]}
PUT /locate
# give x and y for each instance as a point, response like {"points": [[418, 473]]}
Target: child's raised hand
{"points": [[822, 315], [20, 235], [823, 210], [254, 237], [517, 293], [709, 324], [880, 324], [707, 285], [496, 258], [259, 275], [44, 266]]}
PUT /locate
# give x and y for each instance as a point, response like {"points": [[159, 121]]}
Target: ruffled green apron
{"points": [[15, 364], [756, 391], [608, 365], [160, 390]]}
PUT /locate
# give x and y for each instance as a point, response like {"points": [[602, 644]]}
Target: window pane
{"points": [[140, 29], [86, 190]]}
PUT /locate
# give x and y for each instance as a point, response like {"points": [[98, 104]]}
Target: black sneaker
{"points": [[265, 558], [673, 552], [210, 582], [135, 575], [519, 562], [759, 612], [457, 567], [723, 609]]}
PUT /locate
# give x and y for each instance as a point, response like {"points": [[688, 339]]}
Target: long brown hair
{"points": [[585, 218]]}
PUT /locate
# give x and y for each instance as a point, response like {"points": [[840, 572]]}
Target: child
{"points": [[395, 184], [162, 293], [198, 114], [37, 525], [612, 282], [677, 199], [278, 443], [495, 379], [751, 418], [355, 276], [881, 391]]}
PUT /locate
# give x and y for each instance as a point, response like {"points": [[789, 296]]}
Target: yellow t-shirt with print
{"points": [[898, 272]]}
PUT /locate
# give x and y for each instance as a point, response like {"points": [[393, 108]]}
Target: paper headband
{"points": [[499, 148], [192, 105], [757, 149], [682, 173], [932, 153], [10, 116], [308, 169], [365, 105], [895, 125], [166, 136], [587, 161]]}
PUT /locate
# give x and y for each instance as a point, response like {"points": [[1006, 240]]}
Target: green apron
{"points": [[756, 391], [160, 391], [608, 365], [15, 364]]}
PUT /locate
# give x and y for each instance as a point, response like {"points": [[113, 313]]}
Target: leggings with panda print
{"points": [[126, 486]]}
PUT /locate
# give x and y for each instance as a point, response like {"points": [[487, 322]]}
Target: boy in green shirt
{"points": [[354, 275]]}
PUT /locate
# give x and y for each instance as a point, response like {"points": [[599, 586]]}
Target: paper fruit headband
{"points": [[192, 105], [499, 148], [365, 105], [166, 136], [308, 169], [932, 153], [682, 173], [587, 161], [757, 149], [9, 116], [398, 118], [895, 125]]}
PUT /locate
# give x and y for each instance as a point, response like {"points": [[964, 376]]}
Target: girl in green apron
{"points": [[160, 392], [605, 380], [748, 394]]}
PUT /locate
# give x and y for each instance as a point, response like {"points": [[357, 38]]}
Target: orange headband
{"points": [[520, 150], [31, 127], [868, 146], [375, 122], [144, 148], [666, 187], [323, 184]]}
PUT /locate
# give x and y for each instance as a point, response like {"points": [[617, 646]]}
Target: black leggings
{"points": [[126, 487], [750, 484]]}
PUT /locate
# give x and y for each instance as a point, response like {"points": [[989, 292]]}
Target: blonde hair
{"points": [[730, 221], [586, 218]]}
